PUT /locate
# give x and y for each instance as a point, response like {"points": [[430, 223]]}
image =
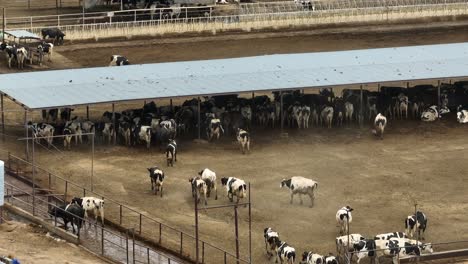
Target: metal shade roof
{"points": [[47, 89], [22, 34]]}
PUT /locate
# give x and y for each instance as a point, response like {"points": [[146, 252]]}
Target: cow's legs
{"points": [[292, 195], [216, 191], [300, 198], [312, 200]]}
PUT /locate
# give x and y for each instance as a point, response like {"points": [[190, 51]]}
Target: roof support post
{"points": [[282, 112], [172, 108], [114, 124], [199, 125], [378, 87], [3, 117], [27, 134], [87, 112], [407, 85], [361, 110], [438, 93]]}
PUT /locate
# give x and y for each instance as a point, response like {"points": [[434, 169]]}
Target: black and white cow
{"points": [[462, 115], [327, 116], [243, 138], [46, 48], [416, 223], [70, 213], [312, 258], [93, 204], [157, 179], [344, 217], [171, 153], [118, 60], [67, 133], [349, 111], [433, 113], [53, 33], [108, 132], [330, 259], [401, 247], [271, 241], [75, 126], [285, 253], [199, 189], [380, 123], [365, 249], [388, 236], [143, 134], [302, 186], [342, 244], [215, 128], [16, 53], [235, 187], [88, 127], [209, 177], [43, 130]]}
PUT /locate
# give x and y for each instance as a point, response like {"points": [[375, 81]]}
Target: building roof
{"points": [[21, 34], [47, 89]]}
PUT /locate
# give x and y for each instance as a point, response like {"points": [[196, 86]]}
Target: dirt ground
{"points": [[421, 163], [31, 244]]}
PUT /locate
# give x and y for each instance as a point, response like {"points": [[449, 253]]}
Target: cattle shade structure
{"points": [[75, 87], [21, 34]]}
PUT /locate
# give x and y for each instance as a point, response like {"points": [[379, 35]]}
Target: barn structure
{"points": [[90, 86]]}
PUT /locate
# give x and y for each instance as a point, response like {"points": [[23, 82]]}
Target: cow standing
{"points": [[380, 123], [416, 223], [235, 187], [327, 116], [171, 153], [53, 33], [365, 249], [42, 130], [271, 241], [462, 115], [157, 179], [199, 189], [302, 186], [285, 253], [118, 60], [215, 129], [93, 204], [209, 177], [243, 138], [344, 217], [46, 48], [312, 258], [70, 213]]}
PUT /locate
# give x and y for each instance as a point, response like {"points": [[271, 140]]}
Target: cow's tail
{"points": [[316, 185]]}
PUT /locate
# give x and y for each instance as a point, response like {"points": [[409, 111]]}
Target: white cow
{"points": [[91, 204], [75, 126], [285, 253], [462, 115], [342, 244], [235, 187], [349, 110], [327, 116], [199, 189], [343, 217], [380, 123], [302, 186], [243, 138], [43, 130], [209, 177], [271, 241], [108, 132]]}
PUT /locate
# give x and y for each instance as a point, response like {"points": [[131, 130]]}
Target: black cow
{"points": [[53, 33], [65, 114], [70, 213]]}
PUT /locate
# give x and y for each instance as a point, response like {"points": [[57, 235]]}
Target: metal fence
{"points": [[100, 240], [393, 11], [146, 227]]}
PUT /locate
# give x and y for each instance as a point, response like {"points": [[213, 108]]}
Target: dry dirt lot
{"points": [[416, 162], [31, 244]]}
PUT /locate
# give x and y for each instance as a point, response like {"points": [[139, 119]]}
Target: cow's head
{"points": [[427, 247], [286, 183], [305, 255], [430, 115], [224, 180], [78, 201], [349, 209], [201, 172]]}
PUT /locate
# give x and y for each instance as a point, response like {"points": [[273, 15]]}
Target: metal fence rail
{"points": [[165, 236], [98, 239]]}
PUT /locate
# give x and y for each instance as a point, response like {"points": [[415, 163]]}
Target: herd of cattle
{"points": [[392, 245]]}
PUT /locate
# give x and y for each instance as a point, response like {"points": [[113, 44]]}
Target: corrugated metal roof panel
{"points": [[60, 88], [22, 34]]}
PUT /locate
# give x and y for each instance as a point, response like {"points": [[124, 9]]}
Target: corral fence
{"points": [[39, 4], [145, 227], [96, 238], [325, 14]]}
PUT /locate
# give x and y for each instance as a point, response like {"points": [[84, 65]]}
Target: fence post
{"points": [[225, 258], [160, 234], [203, 252], [126, 244], [147, 252], [140, 224], [66, 189], [133, 245], [84, 192], [102, 240], [181, 241], [120, 215], [31, 23]]}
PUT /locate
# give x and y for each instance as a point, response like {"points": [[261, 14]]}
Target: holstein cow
{"points": [[401, 247], [198, 189], [43, 130], [365, 249], [209, 177], [330, 259], [70, 213], [416, 223], [215, 129], [46, 48], [343, 216], [380, 123], [118, 60], [91, 204], [312, 258], [271, 241], [144, 134], [433, 113], [343, 246], [462, 115], [108, 132], [235, 187], [67, 133], [327, 116], [388, 236], [75, 126], [243, 138], [157, 179], [171, 153], [349, 110], [88, 127], [285, 253], [302, 186]]}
